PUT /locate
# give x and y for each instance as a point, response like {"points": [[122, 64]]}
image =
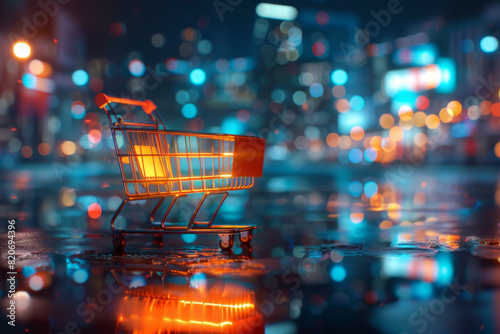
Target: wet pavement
{"points": [[400, 251]]}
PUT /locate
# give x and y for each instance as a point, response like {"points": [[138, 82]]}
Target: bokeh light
{"points": [[339, 77], [94, 210], [80, 77], [197, 76], [489, 44], [189, 110], [21, 50], [137, 68], [386, 121]]}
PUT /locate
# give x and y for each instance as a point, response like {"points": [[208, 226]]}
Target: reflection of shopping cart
{"points": [[200, 306], [156, 163]]}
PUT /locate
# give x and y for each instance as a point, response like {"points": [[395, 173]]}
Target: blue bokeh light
{"points": [[197, 76], [316, 90], [137, 68], [189, 110], [370, 189], [80, 77], [357, 102], [29, 80], [355, 155], [339, 77], [338, 273], [355, 188], [489, 44], [370, 154]]}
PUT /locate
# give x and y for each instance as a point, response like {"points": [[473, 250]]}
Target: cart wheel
{"points": [[226, 242], [118, 241], [245, 237], [158, 240]]}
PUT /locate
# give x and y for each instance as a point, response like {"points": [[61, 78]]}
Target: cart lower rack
{"points": [[156, 163]]}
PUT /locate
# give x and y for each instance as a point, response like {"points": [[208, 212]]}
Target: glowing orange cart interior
{"points": [[156, 163]]}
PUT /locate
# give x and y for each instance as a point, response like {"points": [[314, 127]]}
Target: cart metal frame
{"points": [[153, 162]]}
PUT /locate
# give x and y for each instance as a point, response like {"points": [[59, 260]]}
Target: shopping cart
{"points": [[156, 163]]}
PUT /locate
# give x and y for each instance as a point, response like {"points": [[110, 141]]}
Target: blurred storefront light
{"points": [[439, 76], [277, 12], [21, 50]]}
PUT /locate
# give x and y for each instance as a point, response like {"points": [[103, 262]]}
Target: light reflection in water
{"points": [[173, 308]]}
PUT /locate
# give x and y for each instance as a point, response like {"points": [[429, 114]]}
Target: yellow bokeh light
{"points": [[36, 67], [445, 115], [432, 122], [396, 133], [357, 133], [394, 211], [405, 113], [386, 121], [406, 125], [67, 196], [454, 108], [21, 50], [419, 118], [68, 148]]}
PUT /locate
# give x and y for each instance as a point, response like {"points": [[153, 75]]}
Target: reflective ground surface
{"points": [[406, 250]]}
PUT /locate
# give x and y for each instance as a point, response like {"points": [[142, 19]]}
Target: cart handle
{"points": [[102, 100]]}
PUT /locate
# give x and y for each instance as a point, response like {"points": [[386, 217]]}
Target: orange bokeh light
{"points": [[432, 122], [386, 121], [485, 107], [497, 149], [357, 133], [44, 149], [419, 118], [333, 139], [445, 115], [396, 133]]}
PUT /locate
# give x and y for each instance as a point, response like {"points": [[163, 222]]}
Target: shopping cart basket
{"points": [[156, 163]]}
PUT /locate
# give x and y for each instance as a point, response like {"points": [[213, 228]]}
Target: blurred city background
{"points": [[381, 121]]}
